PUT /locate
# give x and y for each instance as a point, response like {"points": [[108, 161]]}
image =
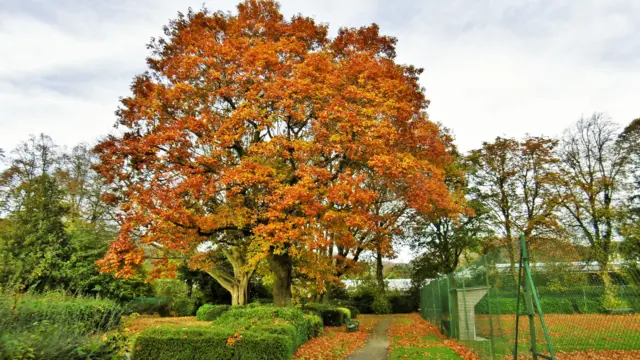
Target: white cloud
{"points": [[491, 67]]}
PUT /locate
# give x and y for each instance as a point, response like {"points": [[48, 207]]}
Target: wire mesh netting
{"points": [[586, 306]]}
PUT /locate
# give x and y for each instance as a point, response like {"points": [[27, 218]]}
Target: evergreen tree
{"points": [[35, 244]]}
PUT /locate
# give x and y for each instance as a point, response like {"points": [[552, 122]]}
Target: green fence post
{"points": [[452, 325], [438, 313], [464, 299], [518, 296], [528, 299], [486, 268], [534, 294], [433, 305]]}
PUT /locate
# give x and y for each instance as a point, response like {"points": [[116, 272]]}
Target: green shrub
{"points": [[381, 305], [209, 312], [183, 307], [588, 306], [557, 306], [53, 326], [85, 316], [210, 343], [363, 299], [260, 302], [402, 303], [330, 315], [550, 305], [238, 317], [314, 325], [51, 342], [498, 306], [354, 311], [148, 306], [347, 312]]}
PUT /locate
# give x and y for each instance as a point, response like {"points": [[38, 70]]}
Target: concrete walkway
{"points": [[377, 346]]}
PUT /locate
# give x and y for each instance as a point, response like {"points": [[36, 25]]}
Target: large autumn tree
{"points": [[256, 136]]}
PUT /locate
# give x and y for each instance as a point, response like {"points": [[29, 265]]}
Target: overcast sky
{"points": [[494, 67]]}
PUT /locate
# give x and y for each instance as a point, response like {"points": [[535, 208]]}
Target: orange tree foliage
{"points": [[266, 131]]}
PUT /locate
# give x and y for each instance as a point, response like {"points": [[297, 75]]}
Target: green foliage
{"points": [[611, 302], [244, 317], [35, 245], [363, 295], [56, 327], [331, 316], [381, 305], [315, 325], [557, 306], [353, 310], [56, 226], [345, 311], [256, 332], [402, 303], [177, 294], [148, 306], [209, 312], [85, 315], [498, 306], [553, 305], [214, 343], [183, 307], [88, 243]]}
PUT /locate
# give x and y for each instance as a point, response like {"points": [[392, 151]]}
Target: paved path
{"points": [[378, 344]]}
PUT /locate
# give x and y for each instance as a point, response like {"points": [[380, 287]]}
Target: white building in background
{"points": [[392, 284]]}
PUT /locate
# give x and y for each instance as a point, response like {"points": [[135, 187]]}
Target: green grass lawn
{"points": [[414, 352]]}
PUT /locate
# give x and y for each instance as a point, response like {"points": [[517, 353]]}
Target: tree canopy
{"points": [[263, 135]]}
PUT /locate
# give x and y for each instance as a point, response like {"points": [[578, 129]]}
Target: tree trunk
{"points": [[236, 286], [189, 288], [281, 265], [239, 292], [379, 268]]}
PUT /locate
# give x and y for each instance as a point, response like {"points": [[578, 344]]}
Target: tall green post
{"points": [[486, 268], [531, 300]]}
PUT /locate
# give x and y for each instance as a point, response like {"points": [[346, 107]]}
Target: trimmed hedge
{"points": [[498, 306], [354, 311], [148, 306], [183, 307], [211, 343], [315, 326], [237, 318], [209, 312], [347, 312], [550, 305], [87, 316], [330, 315]]}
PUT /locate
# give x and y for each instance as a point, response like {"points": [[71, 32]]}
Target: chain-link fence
{"points": [[586, 307]]}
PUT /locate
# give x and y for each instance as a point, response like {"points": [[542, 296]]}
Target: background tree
{"points": [[630, 229], [593, 172], [440, 239], [266, 128], [53, 232], [35, 245], [515, 181], [30, 159]]}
